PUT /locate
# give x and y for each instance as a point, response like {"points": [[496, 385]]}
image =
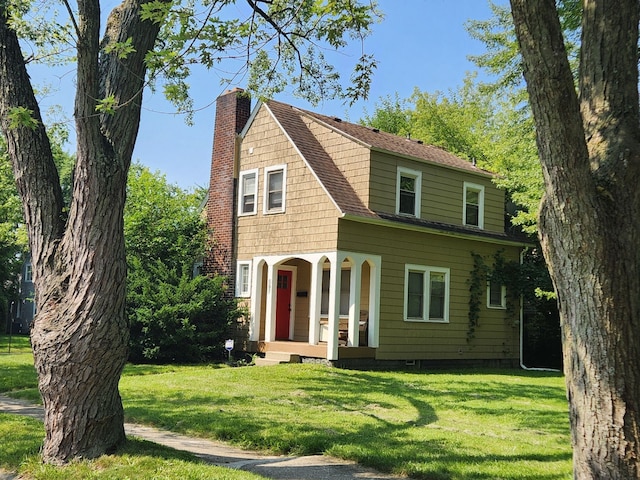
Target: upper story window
{"points": [[473, 213], [426, 294], [28, 273], [243, 279], [274, 191], [247, 193], [496, 295], [408, 192]]}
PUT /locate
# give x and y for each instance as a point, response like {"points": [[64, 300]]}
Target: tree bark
{"points": [[589, 146], [80, 333]]}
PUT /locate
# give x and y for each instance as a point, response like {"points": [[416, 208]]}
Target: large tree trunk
{"points": [[80, 333], [589, 227]]}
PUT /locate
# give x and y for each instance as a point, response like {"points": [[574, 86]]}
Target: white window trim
{"points": [[241, 192], [265, 203], [480, 190], [28, 273], [239, 292], [407, 172], [503, 297], [426, 271]]}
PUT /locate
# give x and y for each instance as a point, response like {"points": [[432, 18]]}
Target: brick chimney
{"points": [[233, 109]]}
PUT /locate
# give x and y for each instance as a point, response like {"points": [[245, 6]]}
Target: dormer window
{"points": [[473, 214], [408, 191]]}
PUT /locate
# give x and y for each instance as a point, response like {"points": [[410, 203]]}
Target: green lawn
{"points": [[430, 425]]}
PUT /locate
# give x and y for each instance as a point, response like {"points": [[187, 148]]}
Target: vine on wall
{"points": [[502, 271]]}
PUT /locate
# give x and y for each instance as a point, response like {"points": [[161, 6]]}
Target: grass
{"points": [[22, 438], [430, 425]]}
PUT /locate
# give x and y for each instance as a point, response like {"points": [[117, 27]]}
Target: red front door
{"points": [[283, 304]]}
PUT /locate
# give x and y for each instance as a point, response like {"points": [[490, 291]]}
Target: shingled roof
{"points": [[337, 186], [339, 189], [386, 142]]}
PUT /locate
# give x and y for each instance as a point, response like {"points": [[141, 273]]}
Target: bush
{"points": [[176, 318], [173, 316]]}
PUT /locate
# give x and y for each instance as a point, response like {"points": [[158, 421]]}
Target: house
{"points": [[349, 244], [22, 310]]}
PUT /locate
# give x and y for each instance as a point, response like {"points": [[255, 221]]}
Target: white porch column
{"points": [[374, 302], [315, 299], [334, 309], [354, 304], [256, 301], [270, 317]]}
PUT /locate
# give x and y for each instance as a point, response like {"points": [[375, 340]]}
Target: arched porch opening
{"points": [[324, 299]]}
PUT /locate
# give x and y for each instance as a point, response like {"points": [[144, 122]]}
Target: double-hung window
{"points": [[426, 294], [473, 214], [243, 279], [274, 191], [28, 273], [247, 193], [496, 294], [408, 191]]}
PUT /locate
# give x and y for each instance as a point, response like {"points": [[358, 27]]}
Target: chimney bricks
{"points": [[233, 109]]}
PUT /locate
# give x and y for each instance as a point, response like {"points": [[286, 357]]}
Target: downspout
{"points": [[522, 365]]}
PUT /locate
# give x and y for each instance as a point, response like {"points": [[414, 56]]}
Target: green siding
{"points": [[496, 337], [442, 191]]}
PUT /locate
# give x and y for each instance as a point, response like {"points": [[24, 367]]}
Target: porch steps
{"points": [[276, 358]]}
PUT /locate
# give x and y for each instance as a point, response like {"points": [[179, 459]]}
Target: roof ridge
{"points": [[380, 140]]}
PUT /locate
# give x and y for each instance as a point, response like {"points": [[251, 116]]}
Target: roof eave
{"points": [[478, 237]]}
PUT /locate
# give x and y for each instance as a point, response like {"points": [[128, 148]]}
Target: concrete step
{"points": [[265, 362], [275, 358]]}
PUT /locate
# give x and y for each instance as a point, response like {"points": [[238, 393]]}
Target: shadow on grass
{"points": [[14, 344], [22, 439], [388, 421]]}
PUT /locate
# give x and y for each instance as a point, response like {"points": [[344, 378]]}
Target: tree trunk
{"points": [[80, 333], [589, 227]]}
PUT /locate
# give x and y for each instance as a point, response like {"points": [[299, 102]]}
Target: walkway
{"points": [[312, 467]]}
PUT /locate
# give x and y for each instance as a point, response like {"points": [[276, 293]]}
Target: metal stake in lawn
{"points": [[11, 320], [228, 344]]}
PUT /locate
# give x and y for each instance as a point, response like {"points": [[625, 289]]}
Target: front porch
{"points": [[319, 305]]}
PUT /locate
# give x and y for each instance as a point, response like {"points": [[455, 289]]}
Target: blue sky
{"points": [[420, 43]]}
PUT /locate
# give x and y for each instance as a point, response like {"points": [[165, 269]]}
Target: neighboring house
{"points": [[23, 311], [349, 243]]}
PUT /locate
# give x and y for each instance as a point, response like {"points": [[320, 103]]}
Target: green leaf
{"points": [[121, 49], [22, 117], [107, 105]]}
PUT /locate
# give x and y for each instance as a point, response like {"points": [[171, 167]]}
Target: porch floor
{"points": [[314, 351]]}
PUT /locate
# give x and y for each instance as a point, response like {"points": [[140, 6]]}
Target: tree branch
{"points": [[124, 78], [610, 115], [30, 151], [72, 17], [560, 135]]}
